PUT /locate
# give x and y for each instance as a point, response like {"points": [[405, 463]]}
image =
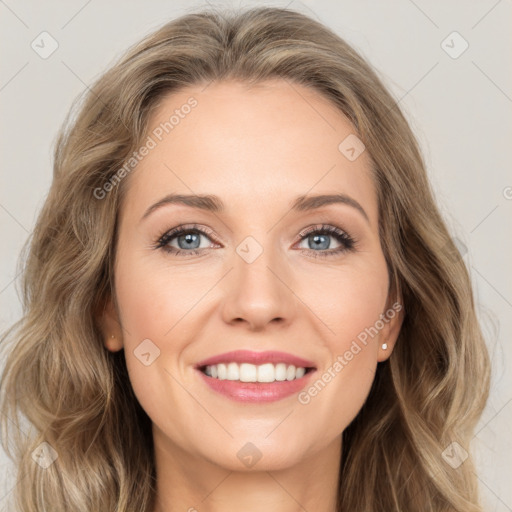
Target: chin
{"points": [[251, 456]]}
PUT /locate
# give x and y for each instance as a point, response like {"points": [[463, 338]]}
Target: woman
{"points": [[240, 293]]}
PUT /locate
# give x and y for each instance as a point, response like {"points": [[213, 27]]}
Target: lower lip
{"points": [[256, 391]]}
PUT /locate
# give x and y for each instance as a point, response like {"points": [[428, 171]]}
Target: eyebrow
{"points": [[214, 204]]}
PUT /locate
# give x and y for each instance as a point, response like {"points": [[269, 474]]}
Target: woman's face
{"points": [[270, 272]]}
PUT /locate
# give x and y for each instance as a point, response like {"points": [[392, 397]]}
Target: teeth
{"points": [[246, 372], [221, 371]]}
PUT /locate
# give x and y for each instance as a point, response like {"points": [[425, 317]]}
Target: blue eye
{"points": [[318, 238], [188, 239]]}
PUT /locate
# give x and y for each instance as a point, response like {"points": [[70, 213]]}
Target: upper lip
{"points": [[256, 358]]}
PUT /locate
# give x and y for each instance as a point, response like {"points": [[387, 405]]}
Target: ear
{"points": [[392, 318], [108, 320]]}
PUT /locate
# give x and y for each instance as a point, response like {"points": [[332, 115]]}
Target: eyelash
{"points": [[347, 242]]}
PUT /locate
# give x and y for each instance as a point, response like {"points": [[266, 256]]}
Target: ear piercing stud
{"points": [[384, 346]]}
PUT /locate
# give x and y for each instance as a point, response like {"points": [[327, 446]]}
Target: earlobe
{"points": [[384, 352], [110, 327], [113, 344], [389, 335]]}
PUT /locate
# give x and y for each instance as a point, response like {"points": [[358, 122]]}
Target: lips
{"points": [[256, 358], [243, 388]]}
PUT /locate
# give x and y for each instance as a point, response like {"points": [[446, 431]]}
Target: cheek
{"points": [[156, 300], [348, 301]]}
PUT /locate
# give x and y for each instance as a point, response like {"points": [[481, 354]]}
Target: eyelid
{"points": [[321, 227], [185, 228]]}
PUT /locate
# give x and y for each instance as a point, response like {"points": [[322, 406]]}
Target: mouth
{"points": [[256, 376]]}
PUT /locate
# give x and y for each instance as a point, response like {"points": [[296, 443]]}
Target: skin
{"points": [[257, 149]]}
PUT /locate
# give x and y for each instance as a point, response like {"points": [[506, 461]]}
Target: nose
{"points": [[258, 292]]}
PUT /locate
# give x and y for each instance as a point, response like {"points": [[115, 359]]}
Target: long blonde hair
{"points": [[61, 386]]}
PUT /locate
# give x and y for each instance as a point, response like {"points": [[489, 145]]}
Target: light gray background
{"points": [[459, 109]]}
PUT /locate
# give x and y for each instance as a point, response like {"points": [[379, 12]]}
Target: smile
{"points": [[248, 376]]}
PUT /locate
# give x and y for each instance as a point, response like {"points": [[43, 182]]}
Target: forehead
{"points": [[252, 146]]}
